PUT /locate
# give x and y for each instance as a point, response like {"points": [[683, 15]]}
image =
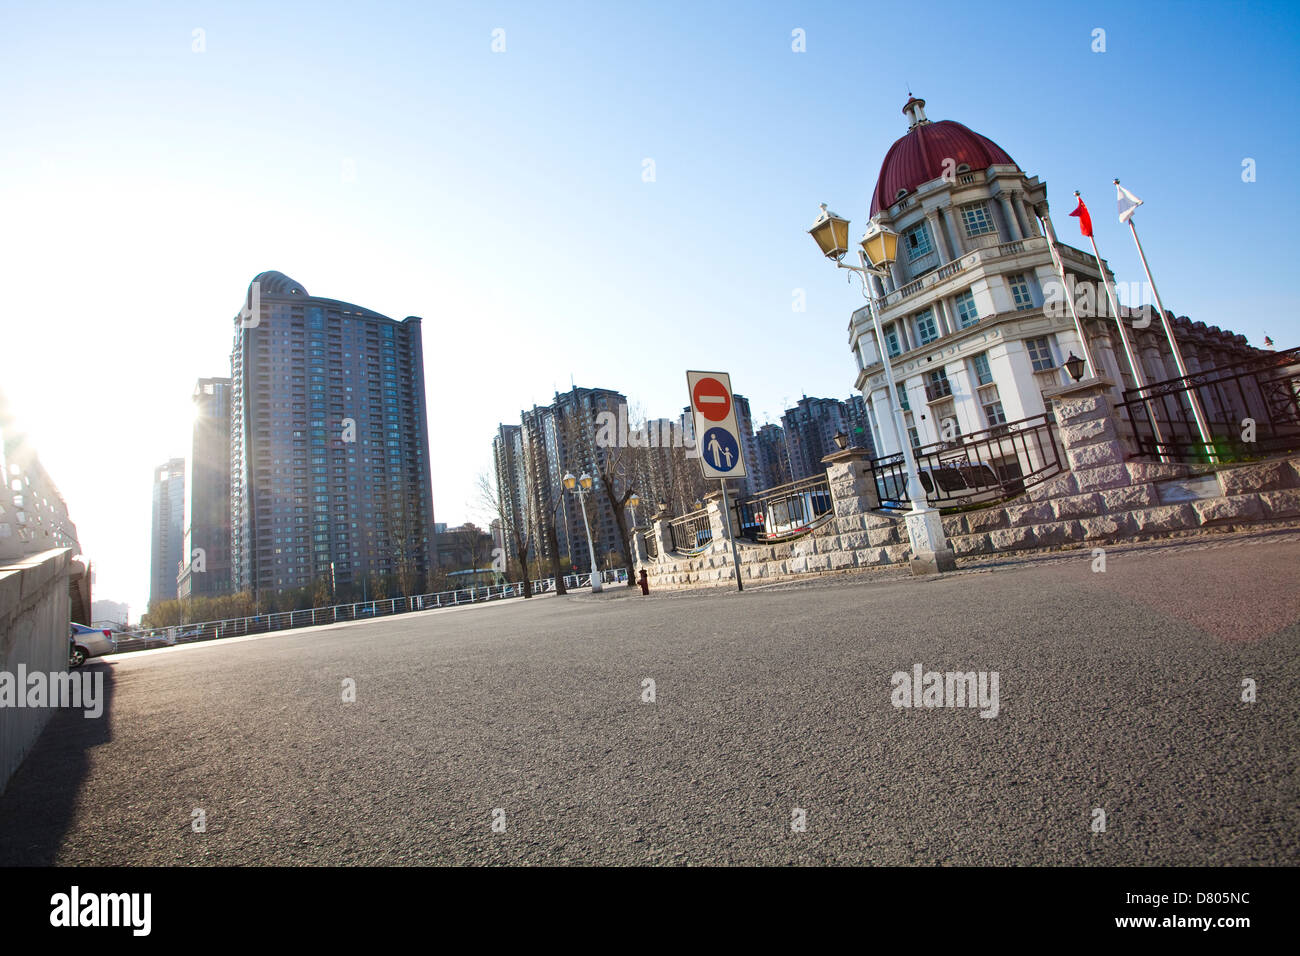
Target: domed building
{"points": [[974, 313]]}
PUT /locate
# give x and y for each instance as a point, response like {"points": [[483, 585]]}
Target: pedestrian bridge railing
{"points": [[357, 611]]}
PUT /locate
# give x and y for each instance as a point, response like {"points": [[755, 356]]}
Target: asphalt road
{"points": [[1118, 690]]}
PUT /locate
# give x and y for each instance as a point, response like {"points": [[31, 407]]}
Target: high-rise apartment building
{"points": [[531, 461], [329, 445], [205, 556], [753, 481], [810, 428], [168, 530], [773, 457]]}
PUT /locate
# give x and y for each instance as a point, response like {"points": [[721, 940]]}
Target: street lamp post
{"points": [[580, 487], [877, 251], [636, 545]]}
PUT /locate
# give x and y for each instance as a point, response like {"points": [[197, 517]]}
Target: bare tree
{"points": [[518, 531]]}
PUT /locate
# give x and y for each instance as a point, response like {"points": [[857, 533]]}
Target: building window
{"points": [[976, 219], [892, 342], [966, 313], [915, 436], [917, 241], [1020, 292], [983, 374], [1040, 353], [926, 329], [993, 412], [901, 390], [938, 386]]}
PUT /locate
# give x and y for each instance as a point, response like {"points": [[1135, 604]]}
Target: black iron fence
{"points": [[1252, 409], [691, 532], [979, 468], [784, 511]]}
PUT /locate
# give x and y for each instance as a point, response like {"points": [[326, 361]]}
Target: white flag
{"points": [[1128, 203]]}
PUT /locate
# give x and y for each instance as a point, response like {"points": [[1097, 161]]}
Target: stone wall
{"points": [[1104, 496]]}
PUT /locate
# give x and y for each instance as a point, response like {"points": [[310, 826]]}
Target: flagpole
{"points": [[1202, 425], [1138, 377], [1059, 263]]}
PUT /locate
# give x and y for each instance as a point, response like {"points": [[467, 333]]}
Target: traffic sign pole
{"points": [[731, 533]]}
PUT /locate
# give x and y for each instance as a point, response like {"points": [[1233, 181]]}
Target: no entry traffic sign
{"points": [[711, 399], [717, 434]]}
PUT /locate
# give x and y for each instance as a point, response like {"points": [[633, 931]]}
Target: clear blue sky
{"points": [[382, 153]]}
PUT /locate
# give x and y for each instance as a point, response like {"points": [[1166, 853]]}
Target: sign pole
{"points": [[735, 549]]}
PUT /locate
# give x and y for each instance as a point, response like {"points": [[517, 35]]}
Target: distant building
{"points": [[773, 456], [463, 547], [531, 460], [115, 612], [753, 482], [810, 428], [33, 516], [168, 532], [329, 445], [205, 556]]}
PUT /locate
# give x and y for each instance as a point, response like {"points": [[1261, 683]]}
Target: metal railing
{"points": [[651, 542], [979, 468], [785, 511], [1252, 409], [691, 532], [359, 611]]}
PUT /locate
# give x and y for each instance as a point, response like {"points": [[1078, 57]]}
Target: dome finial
{"points": [[914, 110]]}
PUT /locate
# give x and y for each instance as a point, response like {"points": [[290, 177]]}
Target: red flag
{"points": [[1085, 220]]}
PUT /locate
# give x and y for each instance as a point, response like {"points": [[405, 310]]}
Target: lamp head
{"points": [[585, 482], [569, 481], [880, 243], [1074, 365], [831, 233]]}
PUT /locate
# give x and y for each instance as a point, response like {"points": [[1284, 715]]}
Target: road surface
{"points": [[1119, 691]]}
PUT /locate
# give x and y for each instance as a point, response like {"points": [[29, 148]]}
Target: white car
{"points": [[87, 642]]}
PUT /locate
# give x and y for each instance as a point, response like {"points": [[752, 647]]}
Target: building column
{"points": [[940, 240], [1009, 214], [950, 219], [1030, 221]]}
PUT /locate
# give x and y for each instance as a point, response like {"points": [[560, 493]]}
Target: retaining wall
{"points": [[34, 607]]}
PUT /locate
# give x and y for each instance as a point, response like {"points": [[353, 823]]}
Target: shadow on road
{"points": [[38, 806]]}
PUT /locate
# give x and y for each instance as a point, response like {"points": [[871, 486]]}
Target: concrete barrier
{"points": [[34, 607]]}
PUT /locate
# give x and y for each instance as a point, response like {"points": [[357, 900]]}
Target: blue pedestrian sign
{"points": [[719, 447]]}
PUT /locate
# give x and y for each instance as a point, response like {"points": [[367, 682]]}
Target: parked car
{"points": [[84, 642]]}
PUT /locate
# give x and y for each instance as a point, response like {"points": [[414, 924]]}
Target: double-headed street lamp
{"points": [[580, 487], [877, 251]]}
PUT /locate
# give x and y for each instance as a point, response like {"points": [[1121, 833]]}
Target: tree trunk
{"points": [[553, 542]]}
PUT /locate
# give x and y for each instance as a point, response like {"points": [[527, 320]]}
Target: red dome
{"points": [[919, 156]]}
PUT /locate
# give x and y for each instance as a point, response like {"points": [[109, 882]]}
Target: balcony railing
{"points": [[980, 468], [987, 248]]}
